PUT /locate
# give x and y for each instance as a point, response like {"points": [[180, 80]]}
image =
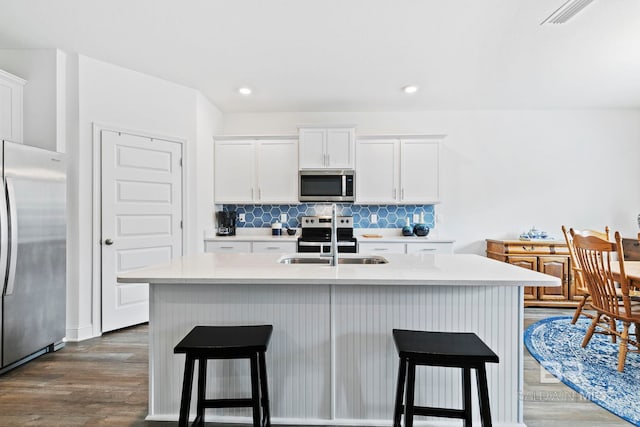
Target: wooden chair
{"points": [[578, 281], [595, 256]]}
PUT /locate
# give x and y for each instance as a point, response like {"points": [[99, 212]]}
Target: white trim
{"points": [[435, 137], [210, 418], [253, 137], [79, 334], [96, 265]]}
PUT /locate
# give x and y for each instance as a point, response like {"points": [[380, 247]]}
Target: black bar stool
{"points": [[447, 349], [225, 342]]}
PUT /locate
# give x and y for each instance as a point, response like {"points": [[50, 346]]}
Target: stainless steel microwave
{"points": [[327, 185]]}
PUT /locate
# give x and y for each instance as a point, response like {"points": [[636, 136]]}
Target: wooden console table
{"points": [[546, 256]]}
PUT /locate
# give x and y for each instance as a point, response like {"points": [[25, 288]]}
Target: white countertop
{"points": [[389, 235], [421, 269]]}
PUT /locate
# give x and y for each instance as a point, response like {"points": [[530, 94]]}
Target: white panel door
{"points": [[377, 171], [141, 219], [278, 171], [420, 172]]}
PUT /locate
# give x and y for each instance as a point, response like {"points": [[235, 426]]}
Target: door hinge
{"points": [[180, 162], [180, 224]]}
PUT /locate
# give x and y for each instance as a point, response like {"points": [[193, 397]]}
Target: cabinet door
{"points": [[419, 172], [234, 172], [340, 148], [557, 266], [528, 262], [11, 95], [312, 148], [377, 171], [277, 172]]}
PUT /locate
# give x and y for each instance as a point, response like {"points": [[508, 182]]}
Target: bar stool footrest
{"points": [[427, 411], [227, 403]]}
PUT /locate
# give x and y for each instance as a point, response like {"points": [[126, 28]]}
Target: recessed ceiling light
{"points": [[244, 91], [410, 89]]}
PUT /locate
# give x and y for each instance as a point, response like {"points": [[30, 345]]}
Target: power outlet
{"points": [[374, 218], [283, 218], [416, 218], [241, 217]]}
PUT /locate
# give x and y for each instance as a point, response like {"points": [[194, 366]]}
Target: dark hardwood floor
{"points": [[104, 382]]}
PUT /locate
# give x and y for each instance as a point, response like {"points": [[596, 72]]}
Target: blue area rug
{"points": [[590, 371]]}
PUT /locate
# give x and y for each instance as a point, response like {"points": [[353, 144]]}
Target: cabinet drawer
{"points": [[429, 247], [388, 248], [284, 247], [227, 247]]}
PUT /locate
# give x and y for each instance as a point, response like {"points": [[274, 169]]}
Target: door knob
{"points": [[108, 242]]}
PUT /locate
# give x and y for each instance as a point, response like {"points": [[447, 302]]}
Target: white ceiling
{"points": [[354, 55]]}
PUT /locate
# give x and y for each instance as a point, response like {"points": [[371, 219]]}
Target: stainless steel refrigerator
{"points": [[32, 252]]}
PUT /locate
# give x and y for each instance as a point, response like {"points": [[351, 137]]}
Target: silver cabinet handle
{"points": [[259, 193], [108, 242], [4, 242], [380, 249], [251, 193], [226, 247], [328, 160], [402, 194], [394, 193], [13, 230], [427, 249], [272, 248]]}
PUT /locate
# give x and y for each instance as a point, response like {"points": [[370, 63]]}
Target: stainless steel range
{"points": [[315, 234]]}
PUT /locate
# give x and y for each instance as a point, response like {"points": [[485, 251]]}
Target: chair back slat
{"points": [[595, 256], [579, 283]]}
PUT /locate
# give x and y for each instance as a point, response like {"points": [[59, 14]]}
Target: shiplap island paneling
{"points": [[331, 360]]}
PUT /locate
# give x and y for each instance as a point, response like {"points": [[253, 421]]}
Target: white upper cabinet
{"points": [[277, 171], [327, 148], [419, 171], [11, 95], [398, 171], [377, 171], [234, 171], [256, 171]]}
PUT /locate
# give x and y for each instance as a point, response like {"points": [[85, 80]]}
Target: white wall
{"points": [[209, 122], [505, 171], [44, 70], [114, 96]]}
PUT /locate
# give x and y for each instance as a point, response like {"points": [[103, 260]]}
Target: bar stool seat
{"points": [[225, 342], [445, 349]]}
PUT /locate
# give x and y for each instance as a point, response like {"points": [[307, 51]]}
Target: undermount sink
{"points": [[327, 261]]}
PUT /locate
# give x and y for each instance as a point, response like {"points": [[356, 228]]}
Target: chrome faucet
{"points": [[334, 237]]}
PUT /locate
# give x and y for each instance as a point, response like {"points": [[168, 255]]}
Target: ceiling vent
{"points": [[566, 11]]}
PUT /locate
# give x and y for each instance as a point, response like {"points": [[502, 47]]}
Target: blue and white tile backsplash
{"points": [[389, 216]]}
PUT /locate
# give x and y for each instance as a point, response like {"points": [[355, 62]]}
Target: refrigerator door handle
{"points": [[13, 237], [4, 240]]}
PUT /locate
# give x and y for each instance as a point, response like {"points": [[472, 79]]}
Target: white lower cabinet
{"points": [[430, 247], [231, 247], [248, 247], [380, 248], [279, 247], [405, 248]]}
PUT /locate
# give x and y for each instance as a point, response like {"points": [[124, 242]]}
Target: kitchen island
{"points": [[331, 360]]}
